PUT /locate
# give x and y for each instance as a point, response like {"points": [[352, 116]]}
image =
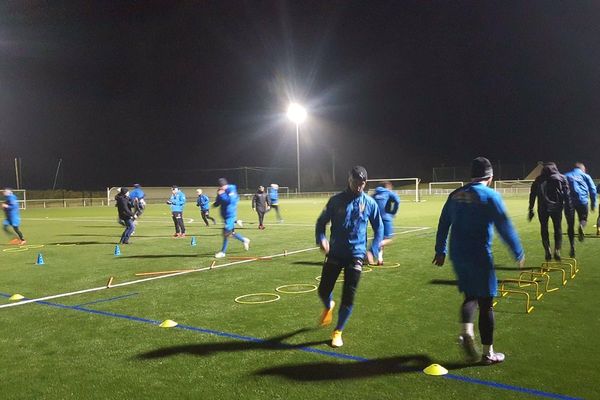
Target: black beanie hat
{"points": [[481, 168], [124, 190], [358, 172], [222, 182]]}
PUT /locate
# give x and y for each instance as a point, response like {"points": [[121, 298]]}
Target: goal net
{"points": [[402, 186], [522, 186], [444, 187]]}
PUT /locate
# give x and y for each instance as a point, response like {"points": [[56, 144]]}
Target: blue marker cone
{"points": [[40, 259], [117, 250], [193, 243]]}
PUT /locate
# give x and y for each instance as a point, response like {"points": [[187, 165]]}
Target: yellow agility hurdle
{"points": [[542, 275], [523, 283], [506, 292], [552, 267]]}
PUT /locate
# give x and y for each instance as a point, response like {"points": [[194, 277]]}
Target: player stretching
{"points": [[13, 216], [472, 211], [204, 203], [388, 202], [227, 199], [349, 213]]}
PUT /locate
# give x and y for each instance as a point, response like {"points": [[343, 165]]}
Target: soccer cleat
{"points": [[246, 244], [572, 252], [182, 235], [22, 242], [548, 255], [176, 235], [336, 339], [581, 236], [493, 358], [370, 258], [14, 241], [240, 223], [220, 255], [327, 315], [468, 345]]}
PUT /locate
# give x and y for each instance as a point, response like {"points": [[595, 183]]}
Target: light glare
{"points": [[296, 113]]}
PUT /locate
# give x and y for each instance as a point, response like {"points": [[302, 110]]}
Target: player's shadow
{"points": [[312, 263], [331, 370], [447, 282], [77, 243], [204, 349]]}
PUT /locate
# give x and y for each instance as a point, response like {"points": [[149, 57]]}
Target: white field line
{"points": [[96, 289]]}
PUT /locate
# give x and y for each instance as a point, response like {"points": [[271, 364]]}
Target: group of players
{"points": [[468, 216], [131, 205]]}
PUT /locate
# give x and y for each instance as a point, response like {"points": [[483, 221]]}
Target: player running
{"points": [[388, 202], [203, 202], [227, 199], [12, 216]]}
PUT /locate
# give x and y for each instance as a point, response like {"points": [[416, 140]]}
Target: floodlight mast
{"points": [[297, 114]]}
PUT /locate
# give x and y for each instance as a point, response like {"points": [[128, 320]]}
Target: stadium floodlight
{"points": [[297, 114]]}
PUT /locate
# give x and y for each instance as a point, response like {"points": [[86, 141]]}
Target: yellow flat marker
{"points": [[168, 323], [435, 370], [16, 297]]}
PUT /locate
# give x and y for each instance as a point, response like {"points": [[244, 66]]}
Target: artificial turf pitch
{"points": [[107, 344]]}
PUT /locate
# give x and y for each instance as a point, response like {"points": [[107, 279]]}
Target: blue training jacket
{"points": [[12, 212], [582, 187], [273, 195], [177, 201], [349, 215], [388, 202], [136, 193], [203, 202], [228, 201], [472, 211]]}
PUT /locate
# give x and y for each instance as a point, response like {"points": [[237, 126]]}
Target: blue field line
{"points": [[105, 300], [252, 339]]}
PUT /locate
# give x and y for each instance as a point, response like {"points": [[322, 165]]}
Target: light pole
{"points": [[297, 114]]}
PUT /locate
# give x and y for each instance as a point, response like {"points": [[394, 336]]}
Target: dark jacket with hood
{"points": [[551, 190], [123, 205]]}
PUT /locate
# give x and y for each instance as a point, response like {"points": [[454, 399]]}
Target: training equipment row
{"points": [[535, 282]]}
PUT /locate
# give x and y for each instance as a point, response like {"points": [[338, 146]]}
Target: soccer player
{"points": [[472, 211], [274, 198], [136, 197], [125, 214], [552, 192], [203, 202], [261, 204], [227, 199], [582, 187], [177, 202], [388, 202], [12, 216], [349, 213]]}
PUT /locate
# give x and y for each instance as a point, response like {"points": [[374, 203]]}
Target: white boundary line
{"points": [[96, 289], [99, 288]]}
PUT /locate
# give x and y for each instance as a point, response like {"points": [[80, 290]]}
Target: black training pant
{"points": [[206, 217], [178, 221], [261, 217], [331, 270], [486, 316], [556, 216]]}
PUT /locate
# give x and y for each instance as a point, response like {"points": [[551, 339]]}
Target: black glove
{"points": [[169, 202], [530, 215]]}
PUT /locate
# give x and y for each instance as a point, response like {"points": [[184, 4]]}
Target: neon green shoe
{"points": [[327, 315], [336, 339]]}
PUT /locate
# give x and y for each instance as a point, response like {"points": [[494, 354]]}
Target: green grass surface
{"points": [[405, 318]]}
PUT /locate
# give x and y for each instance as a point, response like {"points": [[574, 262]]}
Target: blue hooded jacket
{"points": [[228, 201], [12, 212], [203, 202], [582, 187], [388, 202], [177, 201], [349, 215]]}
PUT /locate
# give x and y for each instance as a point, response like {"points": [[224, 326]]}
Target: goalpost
{"points": [[519, 186], [410, 182], [21, 197], [446, 186]]}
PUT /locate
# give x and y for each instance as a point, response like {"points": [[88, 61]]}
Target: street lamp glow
{"points": [[296, 113]]}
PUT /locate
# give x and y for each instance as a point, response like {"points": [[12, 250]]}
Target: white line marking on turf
{"points": [[96, 289]]}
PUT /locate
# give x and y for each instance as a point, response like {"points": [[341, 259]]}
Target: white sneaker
{"points": [[240, 223], [493, 358], [246, 244], [220, 255]]}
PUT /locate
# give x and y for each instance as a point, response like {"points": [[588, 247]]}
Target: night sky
{"points": [[155, 92]]}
